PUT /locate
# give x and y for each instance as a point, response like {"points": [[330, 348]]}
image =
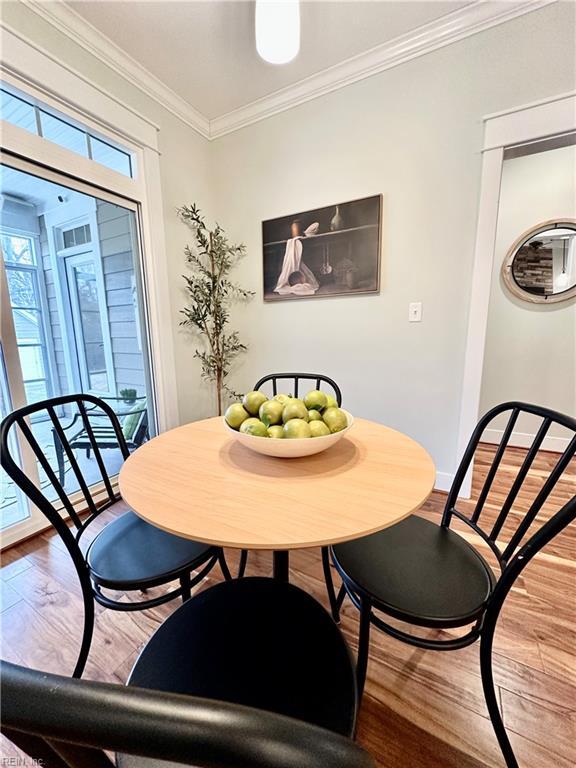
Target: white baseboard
{"points": [[525, 440], [444, 481]]}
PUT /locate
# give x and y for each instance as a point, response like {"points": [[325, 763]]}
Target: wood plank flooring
{"points": [[422, 709]]}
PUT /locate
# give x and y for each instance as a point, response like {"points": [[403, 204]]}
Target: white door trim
{"points": [[532, 122]]}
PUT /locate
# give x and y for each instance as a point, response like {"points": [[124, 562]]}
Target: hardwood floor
{"points": [[421, 709]]}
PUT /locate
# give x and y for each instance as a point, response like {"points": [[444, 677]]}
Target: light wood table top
{"points": [[198, 482]]}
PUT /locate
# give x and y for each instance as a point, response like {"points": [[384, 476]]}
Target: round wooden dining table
{"points": [[198, 482]]}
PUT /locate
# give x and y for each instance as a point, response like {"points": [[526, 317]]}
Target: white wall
{"points": [[531, 348], [185, 176], [413, 133]]}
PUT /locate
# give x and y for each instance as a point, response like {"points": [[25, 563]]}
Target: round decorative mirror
{"points": [[541, 265]]}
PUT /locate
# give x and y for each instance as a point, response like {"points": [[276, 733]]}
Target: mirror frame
{"points": [[506, 271]]}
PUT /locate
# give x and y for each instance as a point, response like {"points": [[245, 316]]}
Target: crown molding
{"points": [[74, 26], [464, 22], [448, 29]]}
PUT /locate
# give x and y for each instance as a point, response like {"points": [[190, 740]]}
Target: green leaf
{"points": [[211, 293]]}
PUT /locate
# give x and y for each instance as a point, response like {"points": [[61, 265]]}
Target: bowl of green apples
{"points": [[288, 427]]}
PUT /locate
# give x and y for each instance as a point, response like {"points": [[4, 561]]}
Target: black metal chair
{"points": [[128, 553], [134, 424], [293, 381], [267, 679], [427, 575]]}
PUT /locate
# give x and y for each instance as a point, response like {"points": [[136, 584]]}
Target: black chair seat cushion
{"points": [[258, 642], [129, 553], [418, 571]]}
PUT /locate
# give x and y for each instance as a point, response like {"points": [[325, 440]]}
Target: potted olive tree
{"points": [[211, 294]]}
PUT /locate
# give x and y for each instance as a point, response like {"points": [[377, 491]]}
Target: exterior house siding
{"points": [[115, 236]]}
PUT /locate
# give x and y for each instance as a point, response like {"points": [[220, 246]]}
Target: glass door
{"points": [[73, 320], [91, 346], [15, 507], [18, 518]]}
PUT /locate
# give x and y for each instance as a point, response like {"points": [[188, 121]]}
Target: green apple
{"points": [[318, 429], [276, 432], [252, 402], [331, 401], [297, 429], [235, 415], [294, 409], [314, 415], [271, 412], [282, 398], [254, 427], [315, 400], [335, 419]]}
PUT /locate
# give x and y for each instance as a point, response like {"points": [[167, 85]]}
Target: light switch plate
{"points": [[415, 312]]}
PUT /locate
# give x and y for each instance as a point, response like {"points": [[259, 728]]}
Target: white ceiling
{"points": [[205, 51], [34, 190]]}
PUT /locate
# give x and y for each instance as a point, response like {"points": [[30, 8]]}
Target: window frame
{"points": [[25, 67], [37, 272], [41, 110], [29, 69]]}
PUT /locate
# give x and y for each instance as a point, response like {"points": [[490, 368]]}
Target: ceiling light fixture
{"points": [[278, 30]]}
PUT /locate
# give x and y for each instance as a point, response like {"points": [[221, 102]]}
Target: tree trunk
{"points": [[219, 391]]}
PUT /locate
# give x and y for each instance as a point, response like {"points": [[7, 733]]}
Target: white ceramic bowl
{"points": [[292, 448]]}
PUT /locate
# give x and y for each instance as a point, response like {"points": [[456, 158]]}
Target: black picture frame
{"points": [[338, 257]]}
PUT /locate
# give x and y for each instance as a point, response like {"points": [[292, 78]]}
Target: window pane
{"points": [[28, 326], [18, 112], [21, 287], [62, 133], [27, 317], [18, 249], [90, 322], [76, 236], [32, 362], [35, 391], [110, 156]]}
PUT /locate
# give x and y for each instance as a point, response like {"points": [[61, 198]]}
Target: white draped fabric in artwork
{"points": [[293, 263]]}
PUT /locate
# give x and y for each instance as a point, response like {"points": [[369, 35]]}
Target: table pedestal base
{"points": [[281, 564]]}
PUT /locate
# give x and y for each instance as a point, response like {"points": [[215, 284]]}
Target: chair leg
{"points": [[334, 607], [492, 700], [243, 562], [363, 645], [87, 633], [185, 585], [340, 598], [224, 566]]}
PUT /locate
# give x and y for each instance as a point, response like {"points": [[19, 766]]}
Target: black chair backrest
{"points": [[293, 383], [92, 413], [508, 521], [88, 408], [67, 722]]}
